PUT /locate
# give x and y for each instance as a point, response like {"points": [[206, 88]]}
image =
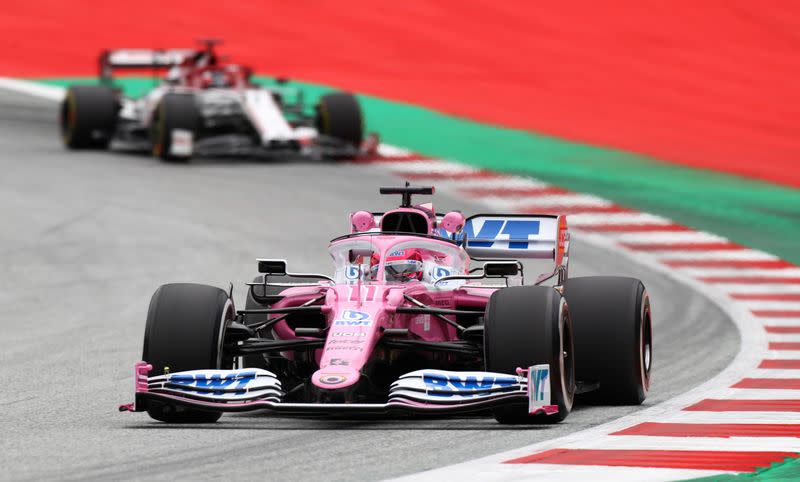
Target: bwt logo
{"points": [[353, 318], [449, 385], [517, 230], [217, 381]]}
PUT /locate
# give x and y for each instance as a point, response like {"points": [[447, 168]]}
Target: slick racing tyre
{"points": [[613, 336], [339, 116], [526, 326], [174, 127], [88, 117], [185, 331]]}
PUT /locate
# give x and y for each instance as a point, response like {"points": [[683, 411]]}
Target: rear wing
{"points": [[520, 236], [111, 60]]}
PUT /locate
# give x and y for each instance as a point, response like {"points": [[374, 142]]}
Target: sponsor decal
{"points": [[345, 342], [516, 231], [353, 272], [353, 318], [332, 379], [449, 385], [538, 387], [352, 322], [440, 272], [344, 348], [340, 362], [349, 333], [237, 381], [399, 252]]}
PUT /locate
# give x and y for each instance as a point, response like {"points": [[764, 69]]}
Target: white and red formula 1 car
{"points": [[204, 106], [425, 313]]}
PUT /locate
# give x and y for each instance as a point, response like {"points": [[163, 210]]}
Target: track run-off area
{"points": [[88, 236]]}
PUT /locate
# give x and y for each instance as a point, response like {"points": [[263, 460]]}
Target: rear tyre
{"points": [[613, 335], [339, 116], [88, 117], [175, 114], [185, 331], [525, 326]]}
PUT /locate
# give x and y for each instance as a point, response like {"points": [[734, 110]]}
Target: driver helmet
{"points": [[403, 265], [374, 262]]}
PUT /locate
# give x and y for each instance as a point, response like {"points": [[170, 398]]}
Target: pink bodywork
{"points": [[358, 312]]}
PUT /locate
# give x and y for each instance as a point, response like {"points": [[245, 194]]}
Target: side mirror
{"points": [[272, 266], [501, 268]]}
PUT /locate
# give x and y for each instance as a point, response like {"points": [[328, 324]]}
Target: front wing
{"points": [[421, 391]]}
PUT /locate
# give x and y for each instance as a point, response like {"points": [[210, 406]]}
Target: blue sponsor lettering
{"points": [[352, 322], [517, 230], [538, 383], [489, 230], [449, 385], [200, 381]]}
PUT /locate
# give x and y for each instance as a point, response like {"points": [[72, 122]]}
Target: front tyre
{"points": [[613, 335], [175, 124], [526, 326], [185, 331]]}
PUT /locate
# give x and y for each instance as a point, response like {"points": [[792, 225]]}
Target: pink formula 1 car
{"points": [[425, 313]]}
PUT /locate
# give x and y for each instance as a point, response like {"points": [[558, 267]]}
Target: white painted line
{"points": [[510, 182], [664, 237], [561, 473], [772, 289], [594, 219], [744, 254], [550, 200], [775, 373], [783, 355], [392, 151], [643, 442], [768, 305], [429, 167], [34, 89], [735, 417], [750, 272], [762, 394], [794, 337]]}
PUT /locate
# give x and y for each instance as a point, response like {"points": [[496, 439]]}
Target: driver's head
{"points": [[216, 78], [374, 262], [403, 265]]}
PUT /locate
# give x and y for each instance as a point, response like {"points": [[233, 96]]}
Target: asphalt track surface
{"points": [[85, 239]]}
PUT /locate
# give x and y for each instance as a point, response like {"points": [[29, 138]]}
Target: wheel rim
{"points": [[68, 119], [645, 343], [566, 358], [158, 133]]}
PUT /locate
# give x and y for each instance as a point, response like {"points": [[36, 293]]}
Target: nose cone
{"points": [[335, 377]]}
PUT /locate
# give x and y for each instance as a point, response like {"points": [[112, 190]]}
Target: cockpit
{"points": [[396, 259]]}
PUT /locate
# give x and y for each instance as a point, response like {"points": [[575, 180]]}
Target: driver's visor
{"points": [[403, 268]]}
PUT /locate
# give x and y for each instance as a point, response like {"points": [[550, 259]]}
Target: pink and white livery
{"points": [[425, 313]]}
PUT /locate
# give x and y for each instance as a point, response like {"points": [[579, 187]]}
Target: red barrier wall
{"points": [[709, 84]]}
